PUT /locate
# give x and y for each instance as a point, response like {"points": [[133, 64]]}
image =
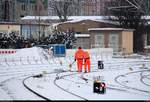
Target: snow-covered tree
{"points": [[67, 38]]}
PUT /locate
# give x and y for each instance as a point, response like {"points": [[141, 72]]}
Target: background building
{"points": [[7, 28], [13, 10], [100, 34], [121, 40], [84, 7]]}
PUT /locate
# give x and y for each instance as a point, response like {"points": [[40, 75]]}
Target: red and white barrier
{"points": [[7, 51]]}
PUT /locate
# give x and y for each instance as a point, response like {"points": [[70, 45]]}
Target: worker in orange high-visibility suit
{"points": [[87, 62], [79, 57]]}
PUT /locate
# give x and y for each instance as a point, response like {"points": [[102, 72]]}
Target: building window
{"points": [[148, 39], [23, 7], [21, 16], [40, 8], [114, 41], [99, 41], [35, 7], [83, 42]]}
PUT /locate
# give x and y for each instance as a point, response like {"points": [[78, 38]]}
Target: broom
{"points": [[70, 65]]}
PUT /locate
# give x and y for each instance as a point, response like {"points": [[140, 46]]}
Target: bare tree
{"points": [[129, 14], [63, 8], [132, 5]]}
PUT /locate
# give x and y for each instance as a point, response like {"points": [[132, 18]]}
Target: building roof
{"points": [[82, 35], [10, 23], [109, 29], [147, 47], [96, 20], [74, 19], [69, 18], [22, 23]]}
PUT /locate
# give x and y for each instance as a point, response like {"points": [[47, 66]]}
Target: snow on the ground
{"points": [[17, 91], [125, 78], [49, 89], [76, 85]]}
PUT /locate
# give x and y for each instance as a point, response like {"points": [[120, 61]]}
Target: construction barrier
{"points": [[7, 51]]}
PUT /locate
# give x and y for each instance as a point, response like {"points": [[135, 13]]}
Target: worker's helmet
{"points": [[79, 47]]}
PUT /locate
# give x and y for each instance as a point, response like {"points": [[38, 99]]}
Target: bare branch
{"points": [[63, 8], [132, 4]]}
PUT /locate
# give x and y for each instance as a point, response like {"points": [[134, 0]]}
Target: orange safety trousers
{"points": [[79, 57], [79, 65], [87, 65]]}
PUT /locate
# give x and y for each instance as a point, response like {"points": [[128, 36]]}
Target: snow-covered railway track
{"points": [[122, 87], [32, 91], [144, 77], [129, 87], [21, 63], [11, 93], [21, 71], [127, 64], [13, 72], [58, 77], [23, 77], [87, 81]]}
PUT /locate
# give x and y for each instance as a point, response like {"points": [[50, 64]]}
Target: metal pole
{"points": [[39, 28], [39, 20]]}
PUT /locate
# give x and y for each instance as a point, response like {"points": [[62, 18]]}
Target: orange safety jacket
{"points": [[79, 54], [86, 55]]}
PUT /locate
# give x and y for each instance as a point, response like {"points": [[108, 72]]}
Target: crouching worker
{"points": [[87, 62], [79, 58]]}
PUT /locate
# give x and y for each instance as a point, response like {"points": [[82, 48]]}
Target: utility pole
{"points": [[28, 7], [39, 28], [14, 10], [1, 11], [28, 12], [6, 14], [39, 21]]}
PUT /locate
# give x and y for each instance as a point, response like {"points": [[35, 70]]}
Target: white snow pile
{"points": [[30, 55], [28, 51]]}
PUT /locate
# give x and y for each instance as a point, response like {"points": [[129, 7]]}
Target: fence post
{"points": [[20, 60], [29, 61], [0, 62], [6, 61], [13, 61], [34, 60]]}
